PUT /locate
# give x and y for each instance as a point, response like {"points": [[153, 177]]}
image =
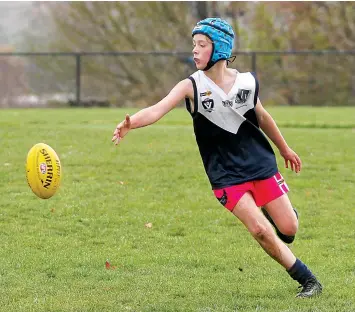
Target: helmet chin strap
{"points": [[231, 59], [209, 65], [210, 62]]}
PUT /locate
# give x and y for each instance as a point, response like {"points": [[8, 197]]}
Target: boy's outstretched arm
{"points": [[268, 125], [150, 115]]}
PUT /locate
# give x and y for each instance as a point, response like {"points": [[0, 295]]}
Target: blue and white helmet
{"points": [[222, 36]]}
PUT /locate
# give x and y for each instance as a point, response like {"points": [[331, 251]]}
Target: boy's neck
{"points": [[217, 72]]}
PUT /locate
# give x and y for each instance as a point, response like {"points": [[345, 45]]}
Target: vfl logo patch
{"points": [[242, 96], [207, 93], [227, 103], [208, 104], [223, 199]]}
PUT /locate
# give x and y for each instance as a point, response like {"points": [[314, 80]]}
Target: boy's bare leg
{"points": [[261, 229]]}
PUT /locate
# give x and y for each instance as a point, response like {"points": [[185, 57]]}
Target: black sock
{"points": [[300, 272]]}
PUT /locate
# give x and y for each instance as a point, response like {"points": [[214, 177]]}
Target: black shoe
{"points": [[285, 238], [311, 288]]}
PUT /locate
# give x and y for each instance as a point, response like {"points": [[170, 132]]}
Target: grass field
{"points": [[196, 256]]}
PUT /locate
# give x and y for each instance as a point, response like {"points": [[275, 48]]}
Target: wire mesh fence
{"points": [[143, 78]]}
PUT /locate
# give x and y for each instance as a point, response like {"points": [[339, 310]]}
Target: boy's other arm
{"points": [[152, 114], [268, 125]]}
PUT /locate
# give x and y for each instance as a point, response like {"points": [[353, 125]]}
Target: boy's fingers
{"points": [[117, 141], [296, 161], [116, 131], [298, 165], [299, 162]]}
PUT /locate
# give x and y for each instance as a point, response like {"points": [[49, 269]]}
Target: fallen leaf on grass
{"points": [[148, 225], [108, 266]]}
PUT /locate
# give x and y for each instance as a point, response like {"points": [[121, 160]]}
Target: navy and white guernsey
{"points": [[233, 148]]}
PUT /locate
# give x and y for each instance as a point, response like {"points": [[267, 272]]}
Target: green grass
{"points": [[197, 256]]}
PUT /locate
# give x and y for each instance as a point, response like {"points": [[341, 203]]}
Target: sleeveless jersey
{"points": [[233, 148]]}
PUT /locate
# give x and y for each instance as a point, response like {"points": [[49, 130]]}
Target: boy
{"points": [[238, 159]]}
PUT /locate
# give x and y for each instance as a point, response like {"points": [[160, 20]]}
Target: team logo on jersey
{"points": [[242, 96], [208, 104], [207, 93], [227, 103]]}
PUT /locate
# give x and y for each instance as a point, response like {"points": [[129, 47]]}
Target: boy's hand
{"points": [[121, 130], [290, 156]]}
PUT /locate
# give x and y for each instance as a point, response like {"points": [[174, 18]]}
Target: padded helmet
{"points": [[222, 36]]}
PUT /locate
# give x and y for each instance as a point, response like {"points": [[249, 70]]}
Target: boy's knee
{"points": [[260, 232], [289, 229], [287, 234]]}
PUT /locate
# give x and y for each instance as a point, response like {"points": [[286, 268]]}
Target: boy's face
{"points": [[202, 50]]}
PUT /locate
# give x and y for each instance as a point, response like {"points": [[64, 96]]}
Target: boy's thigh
{"points": [[230, 196], [251, 216]]}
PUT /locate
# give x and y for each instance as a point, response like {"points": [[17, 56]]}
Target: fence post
{"points": [[78, 76], [253, 61]]}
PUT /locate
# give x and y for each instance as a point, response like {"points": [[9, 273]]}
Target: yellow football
{"points": [[43, 170]]}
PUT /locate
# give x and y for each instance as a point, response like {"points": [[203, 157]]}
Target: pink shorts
{"points": [[263, 191]]}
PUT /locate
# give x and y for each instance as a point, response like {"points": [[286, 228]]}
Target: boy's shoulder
{"points": [[246, 73], [196, 74], [248, 76]]}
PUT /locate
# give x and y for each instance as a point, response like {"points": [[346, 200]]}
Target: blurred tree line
{"points": [[166, 26]]}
